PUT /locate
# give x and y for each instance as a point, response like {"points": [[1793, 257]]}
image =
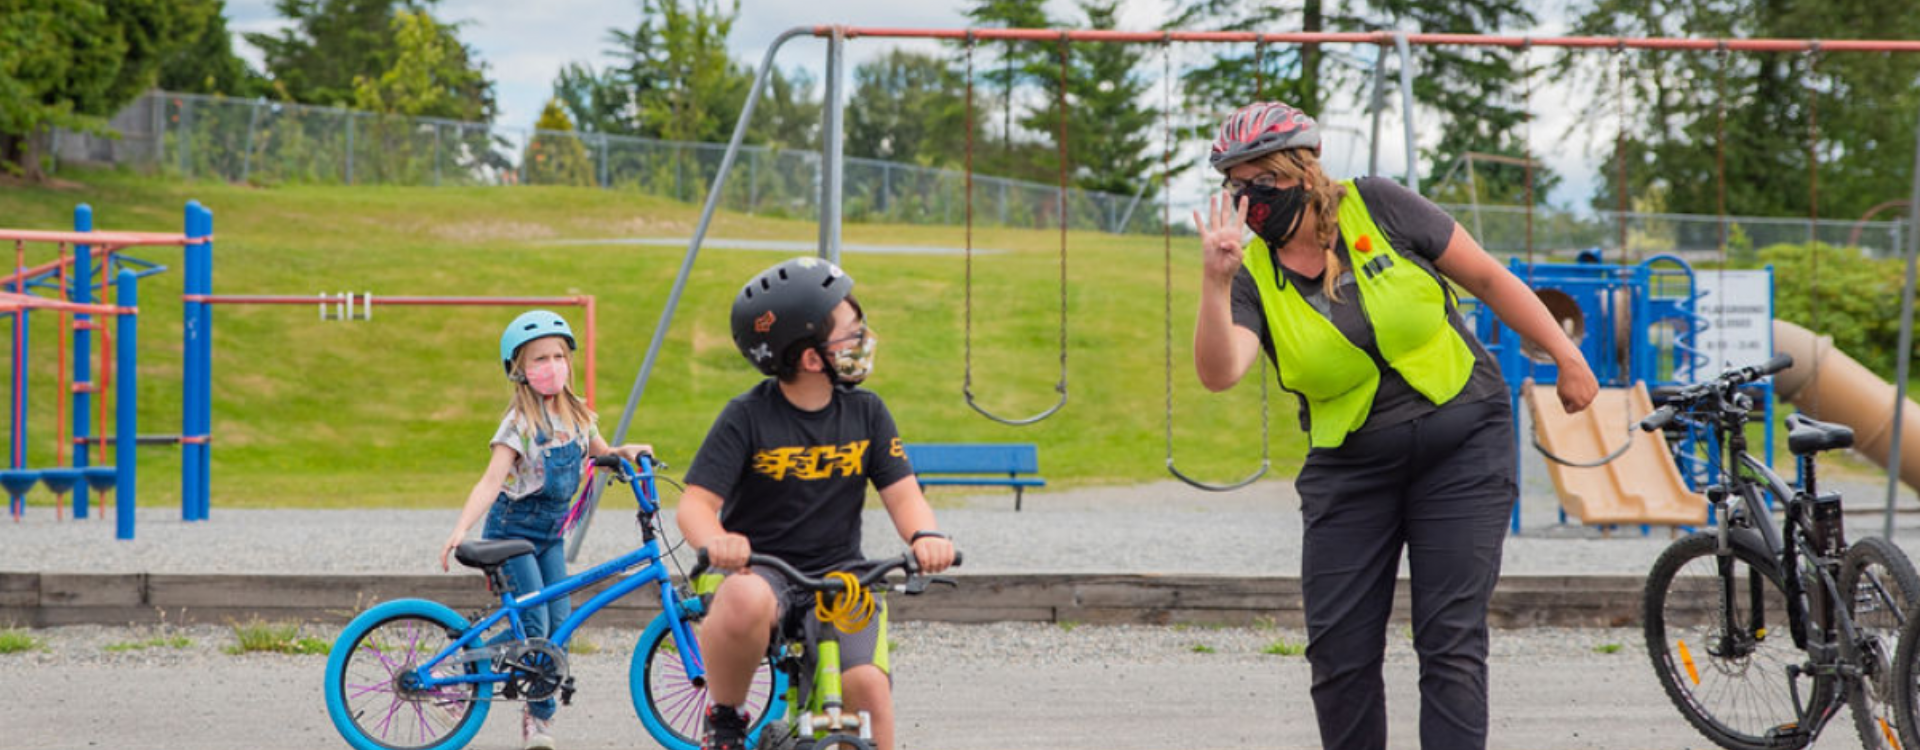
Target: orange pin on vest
{"points": [[1364, 244]]}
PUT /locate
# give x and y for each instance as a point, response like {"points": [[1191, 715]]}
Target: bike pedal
{"points": [[566, 692]]}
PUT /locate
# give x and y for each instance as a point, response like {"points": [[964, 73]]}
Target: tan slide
{"points": [[1827, 384], [1642, 486]]}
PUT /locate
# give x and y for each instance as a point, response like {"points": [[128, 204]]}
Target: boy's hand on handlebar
{"points": [[729, 551], [934, 554]]}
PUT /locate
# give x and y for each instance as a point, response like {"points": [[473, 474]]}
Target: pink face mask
{"points": [[548, 378]]}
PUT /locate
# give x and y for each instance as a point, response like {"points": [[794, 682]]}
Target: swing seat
{"points": [[978, 464]]}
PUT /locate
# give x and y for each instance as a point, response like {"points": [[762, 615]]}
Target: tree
{"points": [[72, 64], [686, 87], [1016, 63], [907, 107], [595, 100], [331, 44], [1108, 126], [1479, 93], [205, 62], [553, 158], [1864, 103], [431, 75], [788, 114]]}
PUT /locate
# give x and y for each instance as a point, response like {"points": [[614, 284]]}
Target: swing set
{"points": [[836, 37]]}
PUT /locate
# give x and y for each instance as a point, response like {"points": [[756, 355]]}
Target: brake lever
{"points": [[918, 584]]}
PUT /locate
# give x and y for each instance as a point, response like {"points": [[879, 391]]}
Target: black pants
{"points": [[1441, 486]]}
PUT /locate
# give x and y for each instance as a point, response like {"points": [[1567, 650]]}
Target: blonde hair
{"points": [[1323, 199], [569, 411]]}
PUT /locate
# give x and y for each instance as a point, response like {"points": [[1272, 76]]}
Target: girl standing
{"points": [[539, 453]]}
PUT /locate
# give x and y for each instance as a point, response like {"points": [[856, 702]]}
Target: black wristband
{"points": [[922, 534]]}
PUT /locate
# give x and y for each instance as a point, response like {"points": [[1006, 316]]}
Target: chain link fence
{"points": [[267, 143], [260, 142], [1694, 237]]}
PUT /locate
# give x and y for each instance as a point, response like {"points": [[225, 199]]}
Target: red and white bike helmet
{"points": [[1262, 128]]}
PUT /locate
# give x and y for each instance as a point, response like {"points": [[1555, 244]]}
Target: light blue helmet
{"points": [[537, 324]]}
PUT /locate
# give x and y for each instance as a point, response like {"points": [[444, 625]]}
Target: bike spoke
{"points": [[380, 709]]}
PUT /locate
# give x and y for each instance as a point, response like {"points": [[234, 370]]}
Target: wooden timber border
{"points": [[54, 599]]}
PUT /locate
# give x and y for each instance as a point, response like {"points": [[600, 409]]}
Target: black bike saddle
{"points": [[1808, 435], [489, 553]]}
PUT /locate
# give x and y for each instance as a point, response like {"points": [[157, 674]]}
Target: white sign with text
{"points": [[1738, 309]]}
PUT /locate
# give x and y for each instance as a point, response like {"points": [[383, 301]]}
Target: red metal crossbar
{"points": [[11, 302], [1382, 38], [116, 239]]}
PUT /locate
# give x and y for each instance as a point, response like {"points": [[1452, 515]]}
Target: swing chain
{"points": [[1166, 229], [966, 387]]}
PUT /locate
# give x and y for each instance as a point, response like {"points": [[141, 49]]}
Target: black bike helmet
{"points": [[1262, 128], [787, 305]]}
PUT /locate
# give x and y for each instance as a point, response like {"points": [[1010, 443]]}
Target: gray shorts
{"points": [[868, 645]]}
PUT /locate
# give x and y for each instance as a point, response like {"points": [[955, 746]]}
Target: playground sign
{"points": [[1738, 309]]}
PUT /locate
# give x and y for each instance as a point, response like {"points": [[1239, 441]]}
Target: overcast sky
{"points": [[524, 45]]}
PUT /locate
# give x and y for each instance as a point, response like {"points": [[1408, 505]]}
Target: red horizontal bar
{"points": [[358, 299], [117, 239], [11, 302], [1383, 38]]}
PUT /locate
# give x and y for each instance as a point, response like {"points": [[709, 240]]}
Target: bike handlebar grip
{"points": [[1779, 362], [1658, 419], [607, 460]]}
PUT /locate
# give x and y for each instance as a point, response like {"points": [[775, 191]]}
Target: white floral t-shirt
{"points": [[529, 472]]}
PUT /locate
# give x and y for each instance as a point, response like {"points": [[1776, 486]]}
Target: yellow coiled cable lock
{"points": [[852, 608]]}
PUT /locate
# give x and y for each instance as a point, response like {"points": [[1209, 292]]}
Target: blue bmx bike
{"points": [[413, 674]]}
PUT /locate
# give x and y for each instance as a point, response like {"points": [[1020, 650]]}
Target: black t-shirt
{"points": [[794, 481], [1419, 231]]}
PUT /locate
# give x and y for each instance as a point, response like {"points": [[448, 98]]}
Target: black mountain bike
{"points": [[1716, 600]]}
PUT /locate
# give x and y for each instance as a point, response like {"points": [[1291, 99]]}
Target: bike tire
{"points": [[1683, 628], [673, 708], [360, 670], [1880, 583]]}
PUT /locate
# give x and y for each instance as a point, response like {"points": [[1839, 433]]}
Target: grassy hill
{"points": [[397, 411]]}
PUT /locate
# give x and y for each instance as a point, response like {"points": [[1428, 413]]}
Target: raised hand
{"points": [[1220, 235]]}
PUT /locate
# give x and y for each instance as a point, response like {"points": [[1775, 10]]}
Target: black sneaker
{"points": [[726, 729]]}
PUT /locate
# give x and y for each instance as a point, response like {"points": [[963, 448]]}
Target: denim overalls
{"points": [[536, 518]]}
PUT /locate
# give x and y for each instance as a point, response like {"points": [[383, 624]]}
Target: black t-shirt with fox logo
{"points": [[794, 481]]}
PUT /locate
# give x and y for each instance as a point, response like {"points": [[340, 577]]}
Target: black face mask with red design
{"points": [[1274, 213]]}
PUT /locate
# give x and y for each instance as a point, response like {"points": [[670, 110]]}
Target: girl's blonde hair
{"points": [[569, 411], [1323, 199]]}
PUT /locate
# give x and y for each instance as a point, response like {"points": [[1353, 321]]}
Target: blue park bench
{"points": [[981, 463]]}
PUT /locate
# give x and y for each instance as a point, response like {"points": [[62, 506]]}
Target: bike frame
{"points": [[1796, 529], [648, 555]]}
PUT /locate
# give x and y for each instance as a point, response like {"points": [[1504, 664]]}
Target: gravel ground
{"points": [[959, 687], [1164, 527]]}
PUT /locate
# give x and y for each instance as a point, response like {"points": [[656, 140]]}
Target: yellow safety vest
{"points": [[1407, 308]]}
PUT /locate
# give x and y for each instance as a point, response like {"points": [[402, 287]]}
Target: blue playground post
{"points": [[197, 416], [125, 402], [206, 364], [81, 291]]}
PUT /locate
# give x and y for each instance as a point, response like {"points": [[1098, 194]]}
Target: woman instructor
{"points": [[1344, 285]]}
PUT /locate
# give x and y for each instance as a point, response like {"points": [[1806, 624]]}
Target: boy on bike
{"points": [[784, 472]]}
